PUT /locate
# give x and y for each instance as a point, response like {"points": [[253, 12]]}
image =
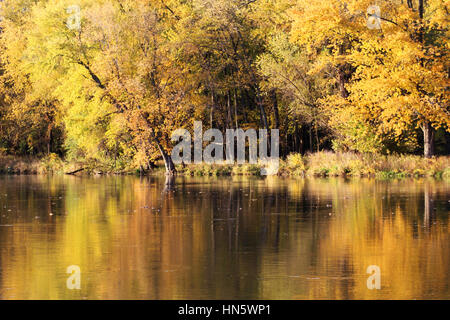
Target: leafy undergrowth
{"points": [[321, 164], [324, 164], [20, 165], [330, 164]]}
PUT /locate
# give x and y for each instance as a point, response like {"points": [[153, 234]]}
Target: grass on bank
{"points": [[330, 164], [50, 164], [20, 165], [321, 164], [362, 165]]}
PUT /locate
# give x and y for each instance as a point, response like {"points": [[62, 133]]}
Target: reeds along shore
{"points": [[321, 164]]}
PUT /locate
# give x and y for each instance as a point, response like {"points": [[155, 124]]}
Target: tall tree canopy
{"points": [[110, 80]]}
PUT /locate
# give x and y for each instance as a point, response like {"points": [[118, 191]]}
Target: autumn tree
{"points": [[30, 117], [118, 75], [110, 80], [401, 80], [391, 78]]}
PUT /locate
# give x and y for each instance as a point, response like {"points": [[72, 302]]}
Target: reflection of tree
{"points": [[169, 185], [428, 206], [222, 238]]}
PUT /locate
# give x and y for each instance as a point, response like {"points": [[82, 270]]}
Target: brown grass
{"points": [[321, 164]]}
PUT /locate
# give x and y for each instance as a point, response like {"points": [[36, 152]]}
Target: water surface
{"points": [[223, 238]]}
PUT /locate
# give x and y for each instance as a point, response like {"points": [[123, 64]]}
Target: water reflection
{"points": [[223, 238]]}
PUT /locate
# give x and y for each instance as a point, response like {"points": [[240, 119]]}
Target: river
{"points": [[223, 238]]}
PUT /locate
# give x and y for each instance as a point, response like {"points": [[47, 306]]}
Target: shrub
{"points": [[52, 163], [295, 164]]}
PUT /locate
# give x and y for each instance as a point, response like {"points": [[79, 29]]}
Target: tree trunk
{"points": [[342, 81], [316, 133], [229, 112], [342, 75], [170, 166], [49, 137], [211, 117], [297, 139], [235, 110], [262, 111], [276, 111], [428, 131], [263, 115], [421, 9], [428, 140], [76, 171]]}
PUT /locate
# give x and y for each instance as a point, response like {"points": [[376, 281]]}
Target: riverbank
{"points": [[329, 164], [20, 165], [321, 164]]}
